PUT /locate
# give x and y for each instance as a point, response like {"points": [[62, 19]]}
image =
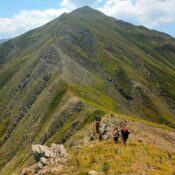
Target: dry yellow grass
{"points": [[136, 159]]}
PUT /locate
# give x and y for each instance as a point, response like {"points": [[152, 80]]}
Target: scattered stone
{"points": [[43, 161], [93, 172], [109, 78], [40, 165], [139, 140], [103, 129]]}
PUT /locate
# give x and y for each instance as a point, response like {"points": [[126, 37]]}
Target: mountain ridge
{"points": [[58, 77]]}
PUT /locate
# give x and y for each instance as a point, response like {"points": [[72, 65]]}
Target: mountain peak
{"points": [[86, 9]]}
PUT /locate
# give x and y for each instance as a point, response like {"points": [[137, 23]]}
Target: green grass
{"points": [[95, 97], [113, 159], [134, 57], [3, 127], [60, 136]]}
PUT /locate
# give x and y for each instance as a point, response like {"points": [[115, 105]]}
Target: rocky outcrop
{"points": [[54, 151], [139, 132], [51, 55], [49, 160]]}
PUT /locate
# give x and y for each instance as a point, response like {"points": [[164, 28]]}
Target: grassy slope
{"points": [[107, 158], [39, 88], [138, 74], [150, 150]]}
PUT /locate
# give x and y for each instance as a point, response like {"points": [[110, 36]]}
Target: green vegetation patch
{"points": [[107, 158]]}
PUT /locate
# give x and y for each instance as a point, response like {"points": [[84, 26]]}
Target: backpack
{"points": [[125, 132], [116, 133]]}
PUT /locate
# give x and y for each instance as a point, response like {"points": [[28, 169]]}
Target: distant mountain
{"points": [[3, 40], [55, 79]]}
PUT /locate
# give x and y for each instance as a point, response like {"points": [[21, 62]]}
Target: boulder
{"points": [[55, 151], [103, 129], [48, 159], [92, 172]]}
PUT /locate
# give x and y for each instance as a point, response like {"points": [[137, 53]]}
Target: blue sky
{"points": [[10, 7], [19, 16]]}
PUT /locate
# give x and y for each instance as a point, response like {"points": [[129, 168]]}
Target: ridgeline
{"points": [[55, 79]]}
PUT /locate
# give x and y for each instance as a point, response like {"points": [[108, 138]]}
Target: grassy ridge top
{"points": [[107, 158]]}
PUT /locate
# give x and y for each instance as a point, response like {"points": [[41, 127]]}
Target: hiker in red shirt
{"points": [[116, 135]]}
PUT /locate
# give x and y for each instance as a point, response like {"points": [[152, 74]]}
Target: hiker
{"points": [[124, 133], [98, 121], [116, 135], [100, 136]]}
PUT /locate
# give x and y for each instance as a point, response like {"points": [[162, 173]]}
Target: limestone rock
{"points": [[48, 160], [54, 151], [92, 172]]}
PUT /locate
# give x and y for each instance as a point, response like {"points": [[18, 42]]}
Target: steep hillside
{"points": [[57, 78], [3, 40], [150, 151]]}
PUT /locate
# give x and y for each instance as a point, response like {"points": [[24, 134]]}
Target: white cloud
{"points": [[73, 4], [26, 20], [146, 12], [150, 13]]}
